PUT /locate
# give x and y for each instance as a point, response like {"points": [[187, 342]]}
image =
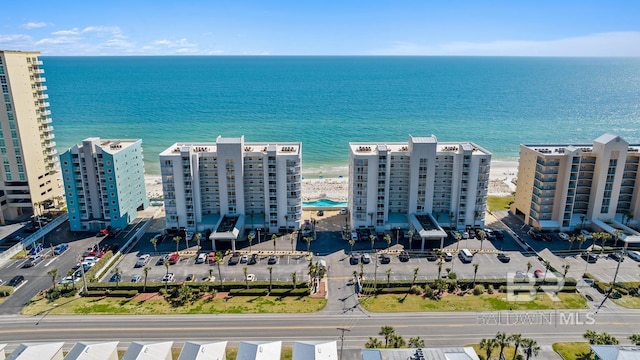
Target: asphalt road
{"points": [[438, 329]]}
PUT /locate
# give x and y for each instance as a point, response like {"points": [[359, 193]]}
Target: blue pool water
{"points": [[324, 203]]}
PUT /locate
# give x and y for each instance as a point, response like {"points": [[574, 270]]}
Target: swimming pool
{"points": [[324, 203]]}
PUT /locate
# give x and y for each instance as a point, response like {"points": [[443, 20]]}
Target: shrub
{"points": [[90, 274], [416, 290], [113, 293], [478, 290], [6, 291], [490, 290], [394, 290], [428, 291]]}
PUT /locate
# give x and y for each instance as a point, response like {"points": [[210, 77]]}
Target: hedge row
{"points": [[153, 287], [90, 275], [113, 293], [274, 292], [464, 283], [6, 291]]}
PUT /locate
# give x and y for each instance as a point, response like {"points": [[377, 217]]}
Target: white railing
{"points": [[24, 243]]}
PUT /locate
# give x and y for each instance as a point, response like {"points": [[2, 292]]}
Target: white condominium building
{"points": [[257, 183], [563, 186], [30, 172], [391, 183]]}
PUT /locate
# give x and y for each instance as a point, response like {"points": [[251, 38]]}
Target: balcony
{"points": [[40, 79], [38, 71], [37, 62], [48, 136], [43, 97], [41, 88], [46, 120], [45, 112]]}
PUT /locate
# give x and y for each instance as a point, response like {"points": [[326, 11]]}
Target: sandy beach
{"points": [[501, 183]]}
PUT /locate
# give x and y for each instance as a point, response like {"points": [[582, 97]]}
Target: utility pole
{"points": [[342, 339]]}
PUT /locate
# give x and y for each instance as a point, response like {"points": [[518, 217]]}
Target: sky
{"points": [[329, 27]]}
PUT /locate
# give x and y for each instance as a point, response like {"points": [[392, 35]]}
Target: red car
{"points": [[174, 258]]}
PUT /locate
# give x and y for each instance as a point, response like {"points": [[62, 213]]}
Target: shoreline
{"points": [[501, 183]]}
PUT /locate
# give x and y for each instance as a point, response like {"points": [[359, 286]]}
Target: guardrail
{"points": [[24, 243]]}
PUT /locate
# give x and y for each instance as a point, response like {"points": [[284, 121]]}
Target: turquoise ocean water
{"points": [[327, 102]]}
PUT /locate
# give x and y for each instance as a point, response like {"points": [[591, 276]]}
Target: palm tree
{"points": [[581, 239], [387, 332], [475, 272], [145, 271], [416, 342], [198, 237], [458, 238], [530, 347], [308, 240], [373, 240], [635, 339], [270, 268], [389, 278], [246, 280], [294, 277], [566, 269], [177, 239], [502, 340], [415, 276], [582, 220], [165, 262], [387, 238], [218, 260], [373, 343], [488, 345], [517, 340], [154, 242], [351, 243], [440, 263], [529, 265], [273, 238], [604, 237], [250, 238], [410, 233], [572, 238], [118, 274], [617, 234], [54, 274], [547, 265], [482, 235], [292, 238]]}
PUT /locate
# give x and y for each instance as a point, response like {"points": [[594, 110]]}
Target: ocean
{"points": [[327, 102]]}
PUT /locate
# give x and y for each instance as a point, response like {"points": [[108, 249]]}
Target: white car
{"points": [[143, 260], [343, 211], [136, 278], [586, 234], [465, 235], [635, 255], [168, 277], [251, 277], [563, 236], [202, 257]]}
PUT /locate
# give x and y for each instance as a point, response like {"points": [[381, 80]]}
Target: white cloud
{"points": [[58, 40], [73, 31], [11, 38], [33, 25], [114, 31], [603, 44]]}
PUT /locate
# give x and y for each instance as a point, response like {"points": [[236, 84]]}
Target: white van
{"points": [[354, 236], [465, 255], [635, 255]]}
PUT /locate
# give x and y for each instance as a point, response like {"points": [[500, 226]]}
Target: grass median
{"points": [[157, 305], [573, 350], [485, 302]]}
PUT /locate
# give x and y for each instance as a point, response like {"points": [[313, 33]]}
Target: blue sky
{"points": [[372, 27]]}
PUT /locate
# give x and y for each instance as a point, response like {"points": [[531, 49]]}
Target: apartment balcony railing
{"points": [[40, 79], [38, 71]]}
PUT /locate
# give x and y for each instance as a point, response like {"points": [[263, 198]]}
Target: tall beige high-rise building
{"points": [[30, 171]]}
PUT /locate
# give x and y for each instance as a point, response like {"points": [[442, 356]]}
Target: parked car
{"points": [[320, 213], [499, 234], [201, 258], [447, 256], [190, 278], [143, 260], [343, 211], [162, 259], [589, 257], [534, 234], [385, 258], [33, 261], [60, 248], [174, 258], [16, 280], [538, 273], [168, 277], [211, 257], [272, 259], [545, 237], [365, 258], [465, 234], [587, 234], [36, 249], [251, 277], [432, 255], [234, 259], [617, 256], [635, 255], [354, 259], [504, 257], [244, 258], [253, 259], [404, 256], [563, 236], [136, 278], [115, 278]]}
